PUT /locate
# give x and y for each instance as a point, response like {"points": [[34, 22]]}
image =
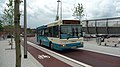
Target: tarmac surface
{"points": [[45, 59], [93, 54]]}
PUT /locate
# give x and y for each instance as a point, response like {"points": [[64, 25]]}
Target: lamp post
{"points": [[25, 30], [57, 16], [61, 12]]}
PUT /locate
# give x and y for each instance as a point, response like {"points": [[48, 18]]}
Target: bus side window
{"points": [[55, 31], [39, 32], [50, 31], [42, 33], [46, 32]]}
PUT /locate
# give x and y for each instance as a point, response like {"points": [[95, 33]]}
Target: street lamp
{"points": [[25, 30]]}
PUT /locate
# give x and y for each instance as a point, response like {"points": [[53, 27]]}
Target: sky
{"points": [[42, 12]]}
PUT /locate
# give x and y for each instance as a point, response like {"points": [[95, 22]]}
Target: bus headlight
{"points": [[63, 45]]}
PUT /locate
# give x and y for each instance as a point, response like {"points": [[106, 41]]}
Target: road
{"points": [[91, 58], [45, 59]]}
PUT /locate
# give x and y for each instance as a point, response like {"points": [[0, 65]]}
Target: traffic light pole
{"points": [[17, 32]]}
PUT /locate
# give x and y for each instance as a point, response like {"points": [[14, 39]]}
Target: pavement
{"points": [[91, 45], [7, 55]]}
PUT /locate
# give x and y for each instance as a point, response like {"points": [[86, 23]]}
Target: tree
{"points": [[17, 32], [8, 19], [1, 26], [8, 13], [78, 11], [29, 31]]}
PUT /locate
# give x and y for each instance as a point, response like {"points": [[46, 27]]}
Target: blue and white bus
{"points": [[61, 35]]}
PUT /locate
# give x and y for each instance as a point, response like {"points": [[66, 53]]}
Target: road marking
{"points": [[43, 56], [102, 52]]}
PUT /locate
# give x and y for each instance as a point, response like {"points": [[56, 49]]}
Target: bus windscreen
{"points": [[70, 31]]}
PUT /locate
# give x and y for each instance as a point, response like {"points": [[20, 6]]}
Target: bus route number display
{"points": [[71, 22]]}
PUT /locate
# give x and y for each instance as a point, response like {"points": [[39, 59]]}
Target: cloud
{"points": [[41, 12], [44, 12], [1, 6], [102, 8]]}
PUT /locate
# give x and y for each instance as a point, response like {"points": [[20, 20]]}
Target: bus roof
{"points": [[42, 27], [59, 22], [55, 23]]}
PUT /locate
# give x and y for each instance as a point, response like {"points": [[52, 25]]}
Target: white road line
{"points": [[102, 52]]}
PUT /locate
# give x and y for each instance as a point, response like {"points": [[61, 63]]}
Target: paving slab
{"points": [[93, 46], [7, 56]]}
